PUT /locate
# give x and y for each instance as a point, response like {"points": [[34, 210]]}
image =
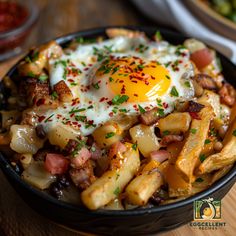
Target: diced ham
{"points": [[160, 155], [80, 158], [202, 58], [115, 148], [171, 138], [96, 152], [56, 163]]}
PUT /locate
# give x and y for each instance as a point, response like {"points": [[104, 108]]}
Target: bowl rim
{"points": [[11, 174], [213, 14], [30, 20]]}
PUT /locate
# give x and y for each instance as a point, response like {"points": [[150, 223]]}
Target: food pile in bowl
{"points": [[120, 123]]}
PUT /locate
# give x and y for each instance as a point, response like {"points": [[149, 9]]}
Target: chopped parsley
{"points": [[178, 49], [207, 141], [96, 86], [167, 76], [76, 110], [43, 78], [234, 132], [202, 157], [158, 36], [117, 191], [82, 40], [187, 84], [54, 95], [111, 79], [193, 131], [31, 74], [160, 112], [165, 132], [141, 109], [119, 99], [199, 180], [174, 92], [48, 119], [109, 135], [134, 146], [80, 118], [213, 132], [123, 110]]}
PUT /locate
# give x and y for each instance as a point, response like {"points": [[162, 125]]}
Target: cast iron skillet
{"points": [[130, 222]]}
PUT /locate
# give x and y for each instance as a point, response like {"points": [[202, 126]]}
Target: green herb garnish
{"points": [[119, 99], [174, 92]]}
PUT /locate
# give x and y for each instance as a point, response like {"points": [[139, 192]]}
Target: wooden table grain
{"points": [[59, 17]]}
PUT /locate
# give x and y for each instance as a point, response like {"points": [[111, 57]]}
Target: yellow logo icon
{"points": [[207, 209]]}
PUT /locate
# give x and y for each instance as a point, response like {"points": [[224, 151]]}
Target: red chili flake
{"points": [[121, 81], [194, 115], [134, 81], [165, 105], [180, 61], [90, 64], [153, 66], [74, 123], [40, 102], [41, 118], [135, 106], [109, 103], [71, 115], [79, 125], [85, 69], [122, 91], [146, 82], [111, 114], [135, 94], [102, 99], [71, 80], [152, 77], [183, 54], [90, 102]]}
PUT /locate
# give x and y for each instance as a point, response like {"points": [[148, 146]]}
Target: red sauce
{"points": [[12, 15]]}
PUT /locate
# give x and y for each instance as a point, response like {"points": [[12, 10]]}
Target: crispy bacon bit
{"points": [[195, 115], [63, 91], [194, 107], [149, 117], [83, 177], [227, 94], [40, 131], [171, 138], [160, 155], [205, 81]]}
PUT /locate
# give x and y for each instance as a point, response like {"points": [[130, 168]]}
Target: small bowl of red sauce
{"points": [[17, 18]]}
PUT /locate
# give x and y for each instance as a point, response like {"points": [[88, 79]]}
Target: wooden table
{"points": [[59, 17]]}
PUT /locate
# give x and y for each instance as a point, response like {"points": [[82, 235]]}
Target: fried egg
{"points": [[120, 75]]}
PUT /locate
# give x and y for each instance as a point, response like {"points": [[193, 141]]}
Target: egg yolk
{"points": [[133, 77]]}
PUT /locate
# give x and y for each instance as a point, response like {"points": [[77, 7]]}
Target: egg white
{"points": [[96, 112]]}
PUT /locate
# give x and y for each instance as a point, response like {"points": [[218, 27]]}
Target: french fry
{"points": [[178, 187], [201, 182], [189, 156], [144, 185], [226, 157], [220, 173], [111, 183]]}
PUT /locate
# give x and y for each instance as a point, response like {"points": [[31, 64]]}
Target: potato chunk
{"points": [[111, 183], [146, 139], [24, 139], [60, 134], [175, 122], [63, 91]]}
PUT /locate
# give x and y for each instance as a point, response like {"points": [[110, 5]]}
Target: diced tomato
{"points": [[56, 163], [202, 58], [160, 155], [81, 157], [115, 148]]}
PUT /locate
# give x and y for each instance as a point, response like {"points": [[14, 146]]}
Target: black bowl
{"points": [[143, 221]]}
